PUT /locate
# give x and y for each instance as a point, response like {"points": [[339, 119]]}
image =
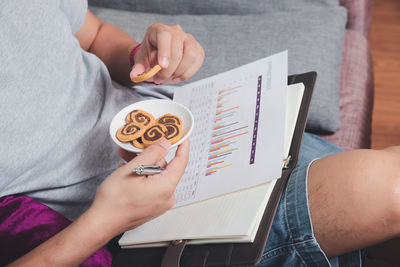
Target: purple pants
{"points": [[26, 223]]}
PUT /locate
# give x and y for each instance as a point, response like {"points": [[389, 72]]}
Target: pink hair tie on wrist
{"points": [[132, 54]]}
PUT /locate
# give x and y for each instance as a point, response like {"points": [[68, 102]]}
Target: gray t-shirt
{"points": [[56, 105]]}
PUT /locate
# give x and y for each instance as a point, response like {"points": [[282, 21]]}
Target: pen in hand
{"points": [[147, 169]]}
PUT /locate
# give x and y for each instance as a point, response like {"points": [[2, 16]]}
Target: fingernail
{"points": [[164, 62], [133, 67], [165, 144], [133, 74]]}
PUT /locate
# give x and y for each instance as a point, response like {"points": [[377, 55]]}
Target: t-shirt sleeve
{"points": [[75, 11]]}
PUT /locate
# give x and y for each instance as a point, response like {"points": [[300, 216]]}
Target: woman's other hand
{"points": [[126, 200], [179, 54]]}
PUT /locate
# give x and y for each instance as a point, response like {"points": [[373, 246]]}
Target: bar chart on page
{"points": [[239, 121], [201, 103], [225, 131]]}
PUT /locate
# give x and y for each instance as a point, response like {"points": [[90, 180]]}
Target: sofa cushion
{"points": [[231, 7], [313, 37], [356, 94], [359, 15]]}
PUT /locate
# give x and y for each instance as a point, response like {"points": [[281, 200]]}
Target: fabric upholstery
{"points": [[231, 7], [359, 18], [356, 94], [313, 37], [359, 15]]}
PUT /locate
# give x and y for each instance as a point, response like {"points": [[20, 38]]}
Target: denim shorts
{"points": [[291, 241]]}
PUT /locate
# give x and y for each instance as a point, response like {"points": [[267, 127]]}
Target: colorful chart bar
{"points": [[225, 132]]}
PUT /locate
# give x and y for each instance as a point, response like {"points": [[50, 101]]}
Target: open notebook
{"points": [[233, 217], [250, 125]]}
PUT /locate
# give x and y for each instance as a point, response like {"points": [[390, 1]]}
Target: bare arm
{"points": [[71, 246], [123, 201], [110, 44]]}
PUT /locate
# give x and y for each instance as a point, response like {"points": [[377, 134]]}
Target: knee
{"points": [[379, 173], [393, 205], [395, 196], [370, 179], [388, 162]]}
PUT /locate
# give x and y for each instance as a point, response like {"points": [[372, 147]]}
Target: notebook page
{"points": [[294, 98], [204, 220], [293, 104], [221, 217], [239, 121]]}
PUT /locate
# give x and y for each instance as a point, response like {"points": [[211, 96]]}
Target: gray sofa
{"points": [[235, 32], [327, 36]]}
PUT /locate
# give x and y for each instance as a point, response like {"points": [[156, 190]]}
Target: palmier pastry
{"points": [[138, 143], [147, 74], [140, 117], [153, 134], [169, 119], [130, 132], [174, 132]]}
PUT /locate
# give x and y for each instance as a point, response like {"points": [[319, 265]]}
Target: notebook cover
{"points": [[228, 254]]}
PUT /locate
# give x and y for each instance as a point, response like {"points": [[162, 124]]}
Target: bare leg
{"points": [[354, 199]]}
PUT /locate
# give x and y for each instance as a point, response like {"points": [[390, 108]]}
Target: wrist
{"points": [[99, 221], [81, 239]]}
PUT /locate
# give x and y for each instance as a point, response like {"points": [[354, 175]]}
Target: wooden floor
{"points": [[385, 45]]}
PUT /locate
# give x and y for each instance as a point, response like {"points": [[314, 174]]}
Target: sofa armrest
{"points": [[359, 15], [356, 94]]}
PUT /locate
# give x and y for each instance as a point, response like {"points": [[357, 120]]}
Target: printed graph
{"points": [[225, 131], [237, 133]]}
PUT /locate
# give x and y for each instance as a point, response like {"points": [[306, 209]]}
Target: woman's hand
{"points": [[177, 52], [123, 201], [126, 200]]}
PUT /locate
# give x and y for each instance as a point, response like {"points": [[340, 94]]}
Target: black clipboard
{"points": [[178, 254]]}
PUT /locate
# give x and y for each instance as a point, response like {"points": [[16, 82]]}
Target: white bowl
{"points": [[157, 108]]}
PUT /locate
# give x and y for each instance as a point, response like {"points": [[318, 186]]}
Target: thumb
{"points": [[152, 154], [137, 69]]}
